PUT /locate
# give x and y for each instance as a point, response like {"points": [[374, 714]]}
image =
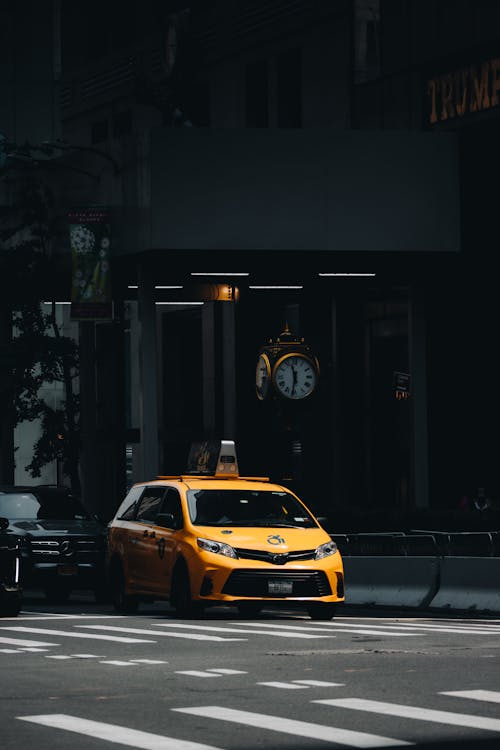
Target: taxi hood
{"points": [[266, 538]]}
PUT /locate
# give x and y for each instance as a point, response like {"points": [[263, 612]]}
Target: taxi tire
{"points": [[249, 609], [319, 611], [180, 594], [122, 601]]}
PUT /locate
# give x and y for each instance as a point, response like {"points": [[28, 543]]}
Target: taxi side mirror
{"points": [[166, 520]]}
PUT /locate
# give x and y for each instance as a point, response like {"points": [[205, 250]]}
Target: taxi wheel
{"points": [[321, 611], [249, 609], [122, 601], [180, 595]]}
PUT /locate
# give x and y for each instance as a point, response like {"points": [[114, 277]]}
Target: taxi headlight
{"points": [[325, 550], [218, 548]]}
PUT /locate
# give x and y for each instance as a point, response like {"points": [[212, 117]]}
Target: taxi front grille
{"points": [[260, 583], [275, 558]]}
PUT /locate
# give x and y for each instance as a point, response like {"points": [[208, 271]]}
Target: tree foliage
{"points": [[37, 354]]}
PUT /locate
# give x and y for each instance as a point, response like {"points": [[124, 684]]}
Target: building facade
{"points": [[316, 147]]}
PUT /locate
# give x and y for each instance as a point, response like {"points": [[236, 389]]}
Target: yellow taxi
{"points": [[212, 537]]}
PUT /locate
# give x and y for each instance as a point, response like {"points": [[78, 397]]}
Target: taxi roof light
{"points": [[213, 459]]}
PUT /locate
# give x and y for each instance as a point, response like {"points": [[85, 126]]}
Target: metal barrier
{"points": [[422, 569]]}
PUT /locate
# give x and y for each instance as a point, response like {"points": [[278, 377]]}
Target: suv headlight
{"points": [[218, 548], [325, 550]]}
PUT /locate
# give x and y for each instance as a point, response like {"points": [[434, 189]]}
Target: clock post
{"points": [[287, 378]]}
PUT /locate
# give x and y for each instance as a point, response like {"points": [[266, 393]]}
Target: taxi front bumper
{"points": [[236, 580]]}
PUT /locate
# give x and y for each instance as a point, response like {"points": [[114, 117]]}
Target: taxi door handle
{"points": [[152, 535]]}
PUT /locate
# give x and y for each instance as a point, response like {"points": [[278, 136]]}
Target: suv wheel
{"points": [[122, 601]]}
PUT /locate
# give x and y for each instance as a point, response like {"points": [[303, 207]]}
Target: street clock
{"points": [[286, 367]]}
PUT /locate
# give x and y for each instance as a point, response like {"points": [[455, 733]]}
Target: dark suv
{"points": [[62, 546]]}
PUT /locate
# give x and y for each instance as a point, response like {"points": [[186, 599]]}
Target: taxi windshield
{"points": [[247, 508]]}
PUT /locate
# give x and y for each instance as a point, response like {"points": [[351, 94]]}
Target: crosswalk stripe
{"points": [[480, 629], [192, 636], [491, 696], [197, 673], [329, 629], [415, 712], [282, 634], [283, 685], [75, 634], [114, 733], [20, 642], [293, 726]]}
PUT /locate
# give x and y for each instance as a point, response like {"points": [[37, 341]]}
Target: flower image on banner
{"points": [[90, 240]]}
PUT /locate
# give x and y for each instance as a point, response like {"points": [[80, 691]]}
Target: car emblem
{"points": [[66, 549], [279, 559], [275, 539]]}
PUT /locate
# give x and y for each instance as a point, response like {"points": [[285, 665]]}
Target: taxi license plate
{"points": [[67, 570], [280, 587]]}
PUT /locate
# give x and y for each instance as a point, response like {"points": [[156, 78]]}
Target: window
{"points": [[150, 504], [256, 95], [126, 511], [172, 504]]}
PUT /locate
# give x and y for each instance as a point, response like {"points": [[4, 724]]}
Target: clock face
{"points": [[295, 376], [262, 376]]}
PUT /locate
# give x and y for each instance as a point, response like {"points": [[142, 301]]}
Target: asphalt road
{"points": [[79, 675]]}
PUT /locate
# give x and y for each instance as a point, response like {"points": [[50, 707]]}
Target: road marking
{"points": [[114, 733], [59, 616], [11, 651], [415, 712], [148, 661], [20, 642], [118, 663], [192, 636], [477, 628], [196, 673], [71, 634], [227, 671], [294, 727], [34, 649], [279, 633], [491, 696], [316, 628], [320, 683], [283, 685]]}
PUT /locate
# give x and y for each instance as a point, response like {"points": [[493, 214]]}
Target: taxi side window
{"points": [[150, 503], [172, 504], [126, 511]]}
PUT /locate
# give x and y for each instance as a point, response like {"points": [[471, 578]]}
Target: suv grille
{"points": [[275, 558], [256, 583], [64, 547]]}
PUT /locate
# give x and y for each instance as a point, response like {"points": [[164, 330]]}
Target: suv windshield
{"points": [[247, 508], [25, 505]]}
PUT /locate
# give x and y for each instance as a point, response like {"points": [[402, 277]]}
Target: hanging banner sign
{"points": [[90, 240]]}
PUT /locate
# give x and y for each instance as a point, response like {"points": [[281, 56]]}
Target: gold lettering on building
{"points": [[475, 88]]}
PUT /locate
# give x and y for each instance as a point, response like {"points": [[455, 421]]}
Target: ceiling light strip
{"points": [[346, 274]]}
